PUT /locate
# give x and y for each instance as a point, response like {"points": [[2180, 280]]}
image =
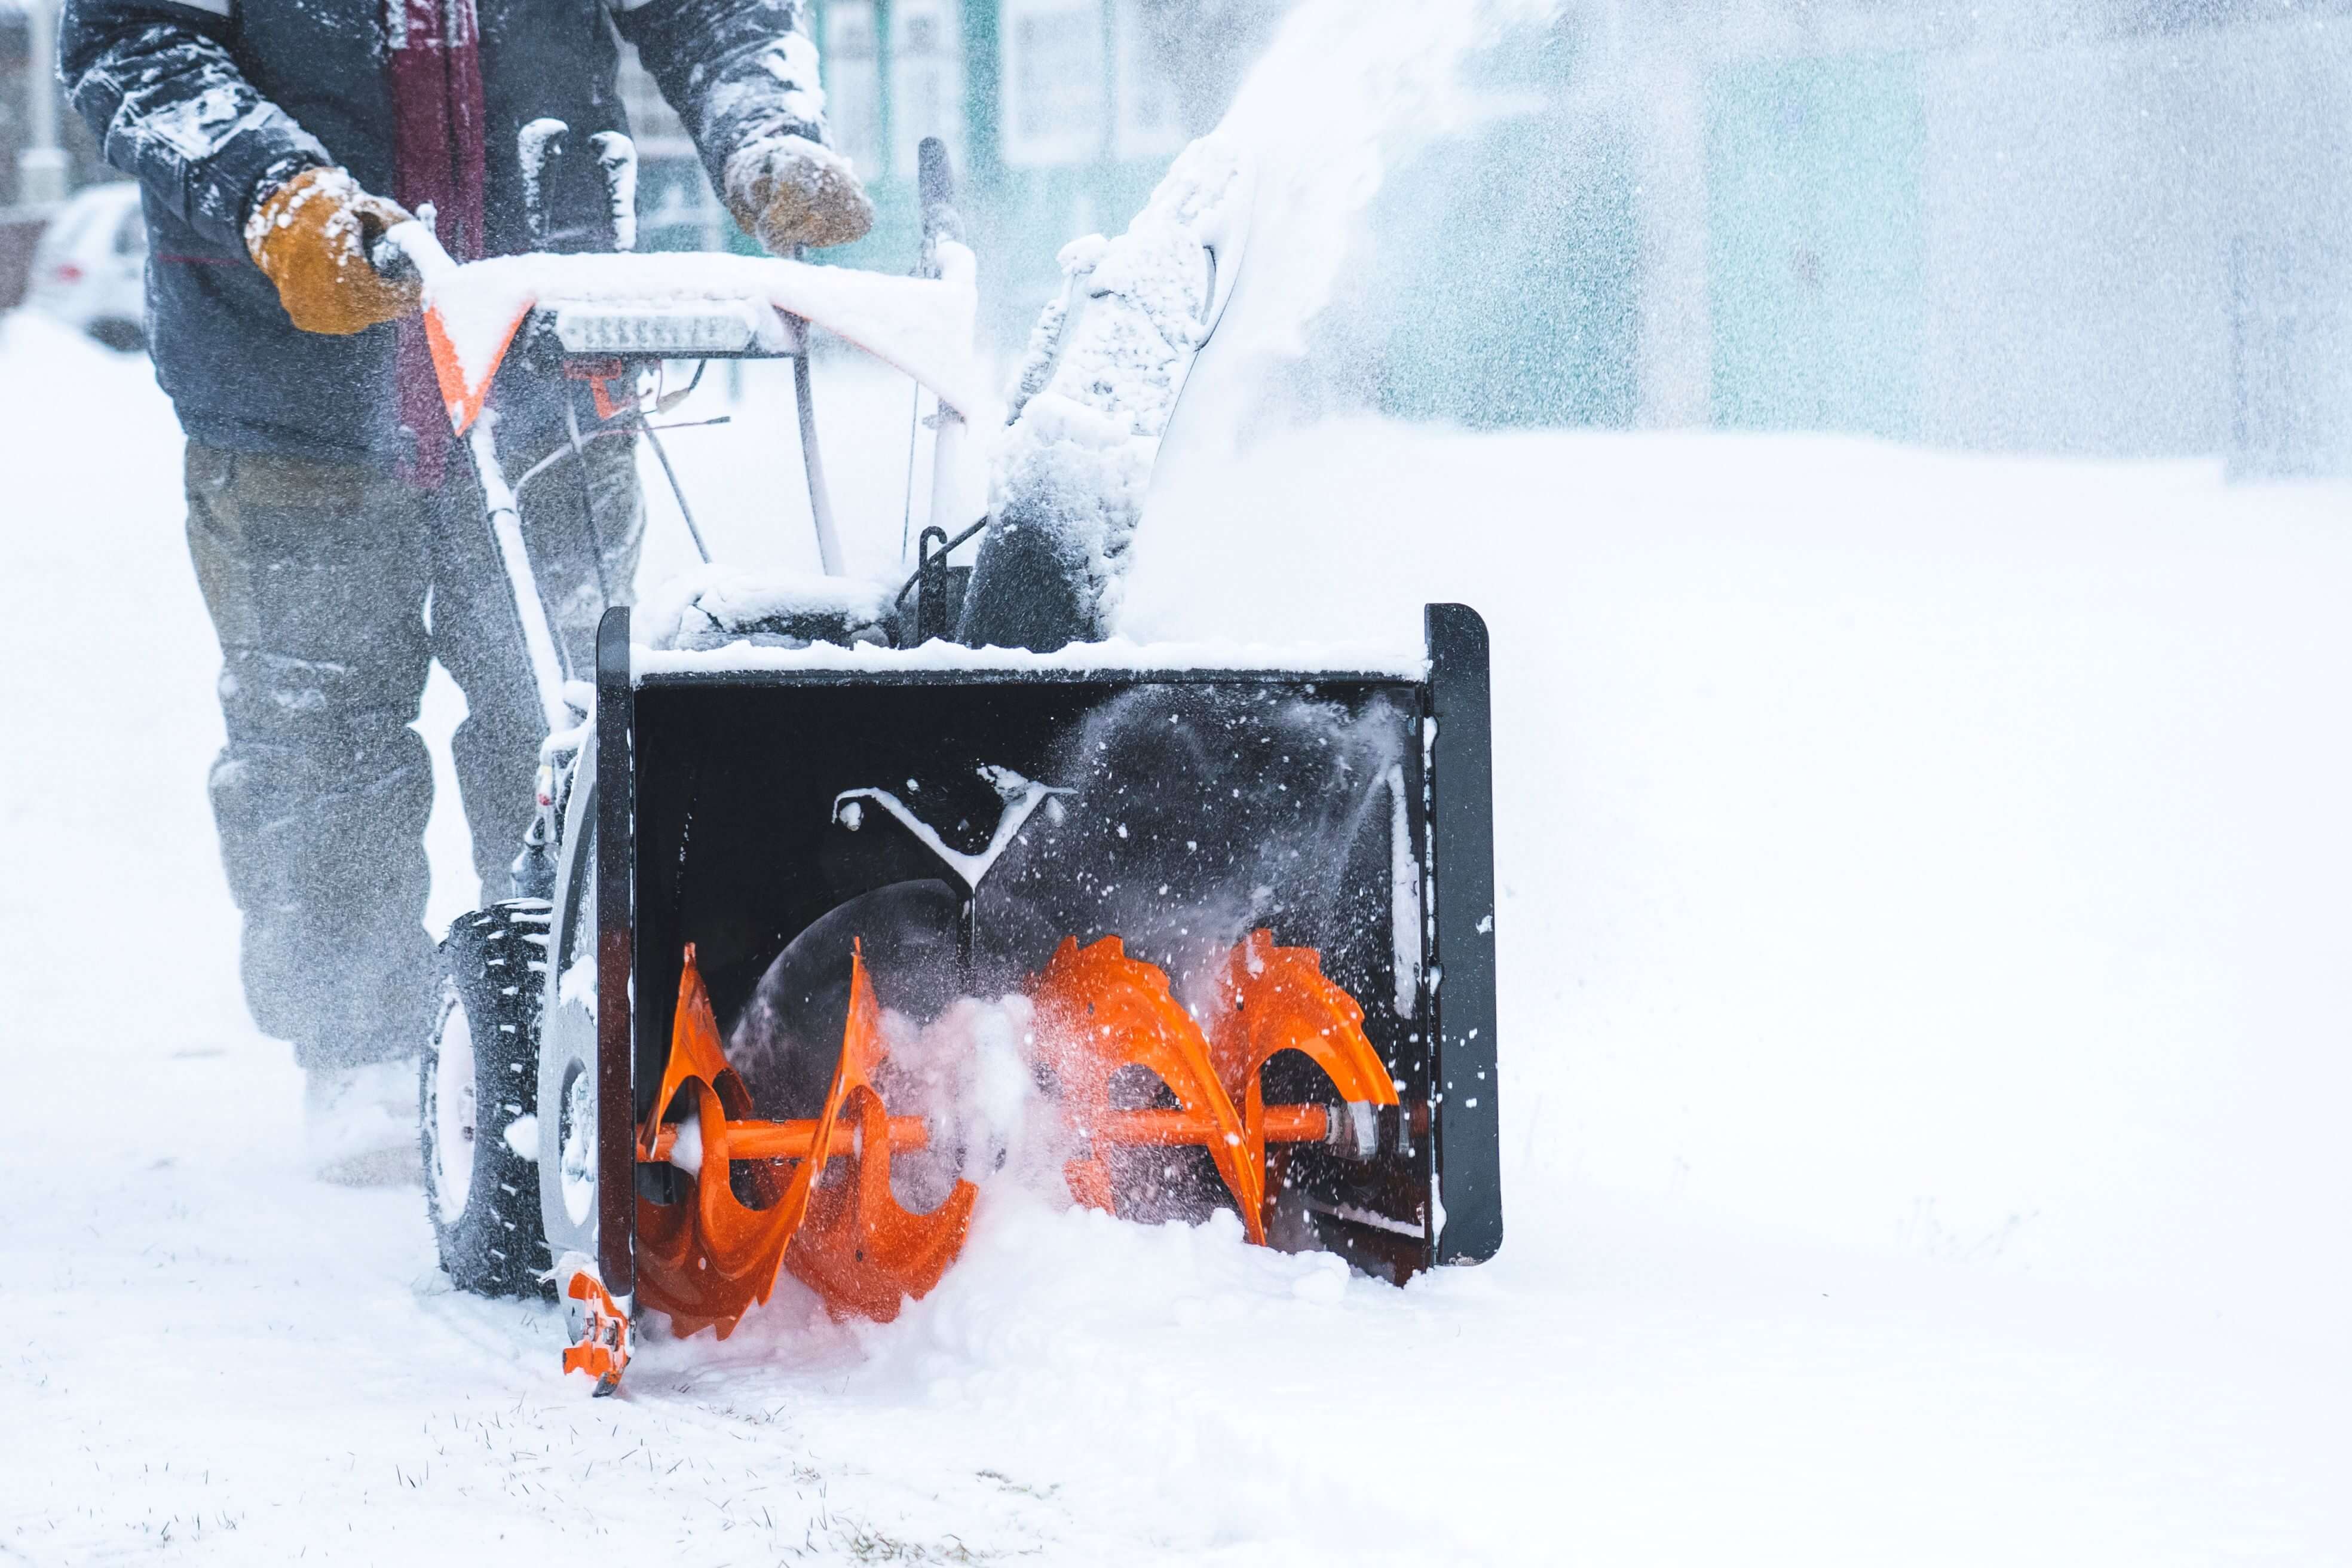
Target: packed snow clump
{"points": [[719, 607], [1279, 188], [1107, 360]]}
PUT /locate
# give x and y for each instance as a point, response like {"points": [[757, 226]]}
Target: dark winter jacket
{"points": [[208, 102]]}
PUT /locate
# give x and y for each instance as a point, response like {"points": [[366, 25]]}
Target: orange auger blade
{"points": [[1271, 999], [1098, 1011], [706, 1262], [860, 1250]]}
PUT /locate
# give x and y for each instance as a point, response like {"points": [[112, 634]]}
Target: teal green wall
{"points": [[1511, 268], [1816, 249], [1018, 223], [1019, 220], [1511, 277]]}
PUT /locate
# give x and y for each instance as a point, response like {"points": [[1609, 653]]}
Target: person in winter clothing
{"points": [[338, 536]]}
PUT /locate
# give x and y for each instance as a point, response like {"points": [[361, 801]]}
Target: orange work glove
{"points": [[788, 190], [309, 237]]}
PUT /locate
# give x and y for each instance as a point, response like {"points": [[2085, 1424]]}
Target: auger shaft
{"points": [[794, 1140], [1166, 1128], [1142, 1129]]}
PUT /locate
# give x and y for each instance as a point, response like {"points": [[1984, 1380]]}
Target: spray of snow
{"points": [[1348, 88], [1194, 816], [1887, 834], [968, 1074], [1242, 242]]}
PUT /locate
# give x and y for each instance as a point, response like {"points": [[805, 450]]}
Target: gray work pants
{"points": [[332, 587]]}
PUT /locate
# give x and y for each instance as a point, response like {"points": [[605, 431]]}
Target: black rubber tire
{"points": [[494, 976]]}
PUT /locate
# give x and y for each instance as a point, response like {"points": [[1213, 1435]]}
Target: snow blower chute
{"points": [[825, 920]]}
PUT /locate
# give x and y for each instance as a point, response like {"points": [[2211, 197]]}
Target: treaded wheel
{"points": [[480, 1080]]}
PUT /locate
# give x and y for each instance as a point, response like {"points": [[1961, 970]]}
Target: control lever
{"points": [[537, 147], [410, 249], [616, 155]]}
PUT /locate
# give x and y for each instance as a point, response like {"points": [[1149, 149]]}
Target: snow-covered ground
{"points": [[1925, 1057]]}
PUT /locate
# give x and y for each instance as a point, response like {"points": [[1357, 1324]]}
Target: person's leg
{"points": [[581, 559], [584, 520], [478, 640], [314, 574]]}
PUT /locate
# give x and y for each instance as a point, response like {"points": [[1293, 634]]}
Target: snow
{"points": [[923, 326], [578, 987], [199, 126], [1922, 986], [1347, 89], [1922, 1059], [1239, 248], [1109, 358], [1020, 805], [1404, 899], [721, 605], [1398, 656]]}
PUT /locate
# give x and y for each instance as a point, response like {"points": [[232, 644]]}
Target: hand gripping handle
{"points": [[410, 249]]}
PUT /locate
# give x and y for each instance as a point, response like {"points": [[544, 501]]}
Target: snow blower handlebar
{"points": [[630, 310], [410, 249], [607, 316]]}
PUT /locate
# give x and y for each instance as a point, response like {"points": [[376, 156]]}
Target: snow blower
{"points": [[825, 918]]}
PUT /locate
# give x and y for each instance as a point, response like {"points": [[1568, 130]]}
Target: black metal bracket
{"points": [[616, 956], [1460, 778], [939, 588], [932, 597]]}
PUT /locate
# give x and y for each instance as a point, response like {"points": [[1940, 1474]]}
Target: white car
{"points": [[90, 268]]}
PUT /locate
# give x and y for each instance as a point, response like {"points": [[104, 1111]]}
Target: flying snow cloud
{"points": [[1346, 91]]}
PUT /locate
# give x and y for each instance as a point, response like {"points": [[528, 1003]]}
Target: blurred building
{"points": [[1059, 115], [21, 124], [44, 152], [2091, 226]]}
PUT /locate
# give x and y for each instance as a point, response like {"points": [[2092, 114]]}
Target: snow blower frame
{"points": [[707, 829], [1248, 912]]}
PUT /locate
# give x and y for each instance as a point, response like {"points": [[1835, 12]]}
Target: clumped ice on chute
{"points": [[719, 607], [1092, 399]]}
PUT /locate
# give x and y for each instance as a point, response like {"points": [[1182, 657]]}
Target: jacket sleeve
{"points": [[156, 82], [737, 71]]}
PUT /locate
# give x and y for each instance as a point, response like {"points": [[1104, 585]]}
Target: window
{"points": [[928, 72], [1150, 124], [853, 100], [1055, 81]]}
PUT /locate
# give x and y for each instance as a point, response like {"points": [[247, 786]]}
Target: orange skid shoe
{"points": [[603, 1351]]}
